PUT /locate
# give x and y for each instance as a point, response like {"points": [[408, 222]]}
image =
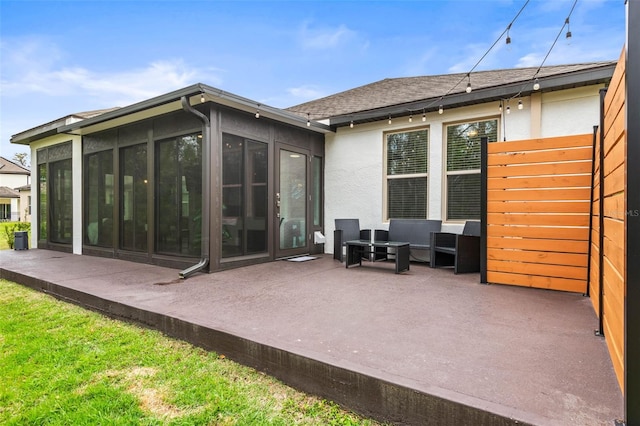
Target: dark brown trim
{"points": [[632, 238]]}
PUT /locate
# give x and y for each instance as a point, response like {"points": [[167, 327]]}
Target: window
{"points": [[98, 220], [42, 205], [406, 174], [317, 191], [179, 195], [463, 167], [244, 196], [61, 202], [133, 197]]}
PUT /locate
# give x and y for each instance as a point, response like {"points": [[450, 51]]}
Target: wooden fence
{"points": [[610, 268], [538, 208]]}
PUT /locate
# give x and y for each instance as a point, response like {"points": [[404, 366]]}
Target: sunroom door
{"points": [[292, 202]]}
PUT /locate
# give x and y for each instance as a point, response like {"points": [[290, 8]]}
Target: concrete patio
{"points": [[423, 347]]}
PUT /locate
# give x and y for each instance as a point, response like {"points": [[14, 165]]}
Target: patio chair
{"points": [[462, 251], [417, 232], [347, 230]]}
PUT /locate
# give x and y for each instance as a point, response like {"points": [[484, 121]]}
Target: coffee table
{"points": [[357, 249]]}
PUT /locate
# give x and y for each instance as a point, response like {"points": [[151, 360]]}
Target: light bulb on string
{"points": [[424, 116], [351, 124], [500, 106], [536, 84], [389, 118], [568, 35], [520, 106], [508, 109], [308, 121], [202, 98], [410, 118], [258, 112], [440, 109]]}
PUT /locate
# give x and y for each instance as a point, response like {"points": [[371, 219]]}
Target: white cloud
{"points": [[305, 93], [35, 66], [324, 38]]}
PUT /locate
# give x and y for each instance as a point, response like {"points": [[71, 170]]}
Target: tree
{"points": [[21, 158]]}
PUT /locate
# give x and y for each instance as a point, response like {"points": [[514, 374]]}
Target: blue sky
{"points": [[61, 57]]}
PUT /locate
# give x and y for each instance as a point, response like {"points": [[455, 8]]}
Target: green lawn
{"points": [[63, 365]]}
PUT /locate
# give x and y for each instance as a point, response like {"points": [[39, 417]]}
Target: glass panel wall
{"points": [[317, 191], [293, 200], [179, 195], [244, 196], [133, 197], [99, 193], [42, 202], [61, 202]]}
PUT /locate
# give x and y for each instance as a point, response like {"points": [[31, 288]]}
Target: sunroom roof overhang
{"points": [[196, 94], [589, 77]]}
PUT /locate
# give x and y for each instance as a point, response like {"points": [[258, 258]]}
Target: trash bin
{"points": [[21, 240]]}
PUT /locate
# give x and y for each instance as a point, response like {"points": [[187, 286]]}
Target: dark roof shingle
{"points": [[397, 91]]}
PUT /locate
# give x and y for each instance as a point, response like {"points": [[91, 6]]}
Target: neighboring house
{"points": [[140, 182], [9, 199], [12, 176]]}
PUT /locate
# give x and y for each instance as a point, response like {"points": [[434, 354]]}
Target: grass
{"points": [[63, 365]]}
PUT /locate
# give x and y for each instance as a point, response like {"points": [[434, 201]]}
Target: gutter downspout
{"points": [[206, 190]]}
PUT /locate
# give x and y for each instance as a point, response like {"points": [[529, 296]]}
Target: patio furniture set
{"points": [[419, 240]]}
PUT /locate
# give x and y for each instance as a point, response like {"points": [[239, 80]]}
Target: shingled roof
{"points": [[10, 168], [415, 93], [6, 192]]}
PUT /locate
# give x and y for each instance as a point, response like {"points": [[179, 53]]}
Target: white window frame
{"points": [[445, 171], [386, 176]]}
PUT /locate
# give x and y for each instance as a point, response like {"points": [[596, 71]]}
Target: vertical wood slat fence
{"points": [[538, 211], [615, 213]]}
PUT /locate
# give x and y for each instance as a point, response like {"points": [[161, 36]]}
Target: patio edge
{"points": [[362, 393]]}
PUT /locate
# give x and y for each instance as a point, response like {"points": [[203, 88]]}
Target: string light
{"points": [[536, 84], [308, 121], [258, 112], [568, 35], [469, 89], [201, 97], [520, 106], [500, 106]]}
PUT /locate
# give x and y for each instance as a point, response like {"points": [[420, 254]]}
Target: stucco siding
{"points": [[13, 181], [570, 112]]}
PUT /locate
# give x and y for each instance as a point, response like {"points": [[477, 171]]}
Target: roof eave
{"points": [[581, 78], [171, 102]]}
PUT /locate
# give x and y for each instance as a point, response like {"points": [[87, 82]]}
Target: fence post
{"points": [[632, 192]]}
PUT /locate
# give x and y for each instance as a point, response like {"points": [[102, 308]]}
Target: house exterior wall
{"points": [[354, 171], [13, 181], [570, 112], [24, 213]]}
